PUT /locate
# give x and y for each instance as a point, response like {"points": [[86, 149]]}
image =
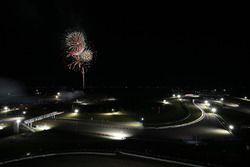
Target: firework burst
{"points": [[75, 43], [87, 56], [78, 53]]}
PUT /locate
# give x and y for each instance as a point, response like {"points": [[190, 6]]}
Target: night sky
{"points": [[134, 43]]}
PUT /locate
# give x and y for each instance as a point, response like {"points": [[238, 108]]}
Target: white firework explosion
{"points": [[87, 55]]}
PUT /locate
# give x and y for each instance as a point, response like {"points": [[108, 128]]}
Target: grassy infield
{"points": [[153, 115]]}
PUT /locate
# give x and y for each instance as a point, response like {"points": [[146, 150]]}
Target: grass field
{"points": [[148, 112]]}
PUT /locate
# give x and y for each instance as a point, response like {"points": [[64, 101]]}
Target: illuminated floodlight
{"points": [[118, 135], [111, 99], [76, 110], [24, 112], [6, 108], [2, 126], [178, 96], [165, 102], [174, 95], [207, 103], [245, 97], [214, 110], [231, 127], [18, 121], [42, 127], [191, 95], [222, 99], [112, 109], [58, 93], [232, 105], [142, 119], [57, 96], [111, 113]]}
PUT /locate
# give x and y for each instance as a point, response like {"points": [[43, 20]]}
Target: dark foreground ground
{"points": [[90, 161]]}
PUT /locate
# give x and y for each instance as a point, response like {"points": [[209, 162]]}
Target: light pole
{"points": [[17, 125]]}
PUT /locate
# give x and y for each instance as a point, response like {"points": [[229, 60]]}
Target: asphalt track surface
{"points": [[93, 159]]}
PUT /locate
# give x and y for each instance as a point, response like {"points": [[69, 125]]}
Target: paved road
{"points": [[78, 159]]}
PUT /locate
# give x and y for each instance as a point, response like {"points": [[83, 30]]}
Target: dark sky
{"points": [[134, 43]]}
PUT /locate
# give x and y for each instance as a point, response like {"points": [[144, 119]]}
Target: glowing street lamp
{"points": [[142, 119], [76, 110], [58, 93], [245, 97], [231, 127], [174, 95], [18, 121], [57, 96], [222, 99], [6, 108], [178, 96], [24, 112], [165, 102], [206, 103], [16, 128], [214, 110]]}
